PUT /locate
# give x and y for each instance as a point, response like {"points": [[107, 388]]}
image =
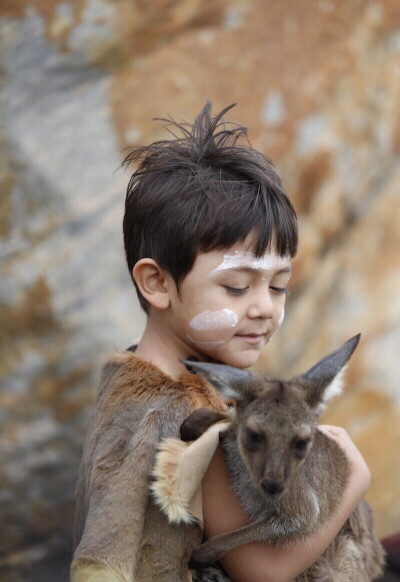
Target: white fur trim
{"points": [[178, 471], [165, 487], [335, 387]]}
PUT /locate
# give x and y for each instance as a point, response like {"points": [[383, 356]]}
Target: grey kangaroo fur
{"points": [[288, 475]]}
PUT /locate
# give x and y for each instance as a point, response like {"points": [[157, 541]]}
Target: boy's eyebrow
{"points": [[256, 269]]}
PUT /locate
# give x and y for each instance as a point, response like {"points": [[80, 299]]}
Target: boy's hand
{"points": [[358, 466]]}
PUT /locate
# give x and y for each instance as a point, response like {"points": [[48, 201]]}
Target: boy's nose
{"points": [[261, 306]]}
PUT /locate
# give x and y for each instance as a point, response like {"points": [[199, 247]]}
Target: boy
{"points": [[209, 235]]}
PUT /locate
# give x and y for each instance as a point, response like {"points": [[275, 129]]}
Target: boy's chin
{"points": [[242, 359]]}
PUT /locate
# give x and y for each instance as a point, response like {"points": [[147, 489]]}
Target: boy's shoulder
{"points": [[127, 378]]}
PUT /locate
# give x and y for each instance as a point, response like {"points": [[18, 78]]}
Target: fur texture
{"points": [[116, 523], [165, 487], [211, 574], [84, 571], [178, 472]]}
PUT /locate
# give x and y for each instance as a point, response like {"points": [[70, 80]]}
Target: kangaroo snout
{"points": [[272, 487]]}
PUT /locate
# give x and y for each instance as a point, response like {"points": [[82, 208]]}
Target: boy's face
{"points": [[231, 303]]}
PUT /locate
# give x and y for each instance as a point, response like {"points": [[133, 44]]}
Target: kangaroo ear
{"points": [[325, 380], [227, 380]]}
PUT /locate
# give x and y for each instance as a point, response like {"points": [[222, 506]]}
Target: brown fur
{"points": [[117, 526]]}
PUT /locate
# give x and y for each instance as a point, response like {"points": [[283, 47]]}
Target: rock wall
{"points": [[318, 86]]}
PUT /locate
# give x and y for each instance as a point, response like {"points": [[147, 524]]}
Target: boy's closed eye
{"points": [[242, 291], [236, 290], [280, 290]]}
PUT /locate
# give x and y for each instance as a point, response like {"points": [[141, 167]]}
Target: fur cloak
{"points": [[120, 534]]}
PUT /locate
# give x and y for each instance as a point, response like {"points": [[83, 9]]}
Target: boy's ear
{"points": [[152, 282]]}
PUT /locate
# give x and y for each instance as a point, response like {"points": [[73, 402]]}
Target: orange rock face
{"points": [[318, 86]]}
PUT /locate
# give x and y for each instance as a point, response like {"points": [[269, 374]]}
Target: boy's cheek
{"points": [[277, 323], [281, 316], [207, 341]]}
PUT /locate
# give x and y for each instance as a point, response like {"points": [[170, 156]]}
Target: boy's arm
{"points": [[261, 561], [117, 496]]}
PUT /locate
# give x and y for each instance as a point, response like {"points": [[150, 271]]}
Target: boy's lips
{"points": [[252, 334], [251, 338]]}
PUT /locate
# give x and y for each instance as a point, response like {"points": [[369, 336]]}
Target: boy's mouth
{"points": [[252, 338]]}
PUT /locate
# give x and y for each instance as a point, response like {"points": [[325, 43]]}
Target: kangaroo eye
{"points": [[253, 436], [301, 444]]}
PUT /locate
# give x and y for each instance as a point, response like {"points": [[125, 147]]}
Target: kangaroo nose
{"points": [[272, 487]]}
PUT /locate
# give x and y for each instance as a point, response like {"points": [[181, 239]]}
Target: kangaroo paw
{"points": [[198, 422], [202, 557]]}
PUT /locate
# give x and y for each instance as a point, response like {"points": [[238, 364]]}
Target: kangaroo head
{"points": [[276, 419]]}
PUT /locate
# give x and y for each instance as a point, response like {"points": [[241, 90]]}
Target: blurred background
{"points": [[318, 85]]}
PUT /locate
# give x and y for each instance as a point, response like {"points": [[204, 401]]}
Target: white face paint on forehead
{"points": [[248, 259], [208, 320]]}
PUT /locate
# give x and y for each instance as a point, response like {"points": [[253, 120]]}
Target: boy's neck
{"points": [[163, 349]]}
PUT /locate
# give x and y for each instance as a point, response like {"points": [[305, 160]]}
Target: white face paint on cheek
{"points": [[208, 320], [209, 326]]}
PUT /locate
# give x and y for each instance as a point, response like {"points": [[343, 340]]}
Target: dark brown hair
{"points": [[201, 191]]}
